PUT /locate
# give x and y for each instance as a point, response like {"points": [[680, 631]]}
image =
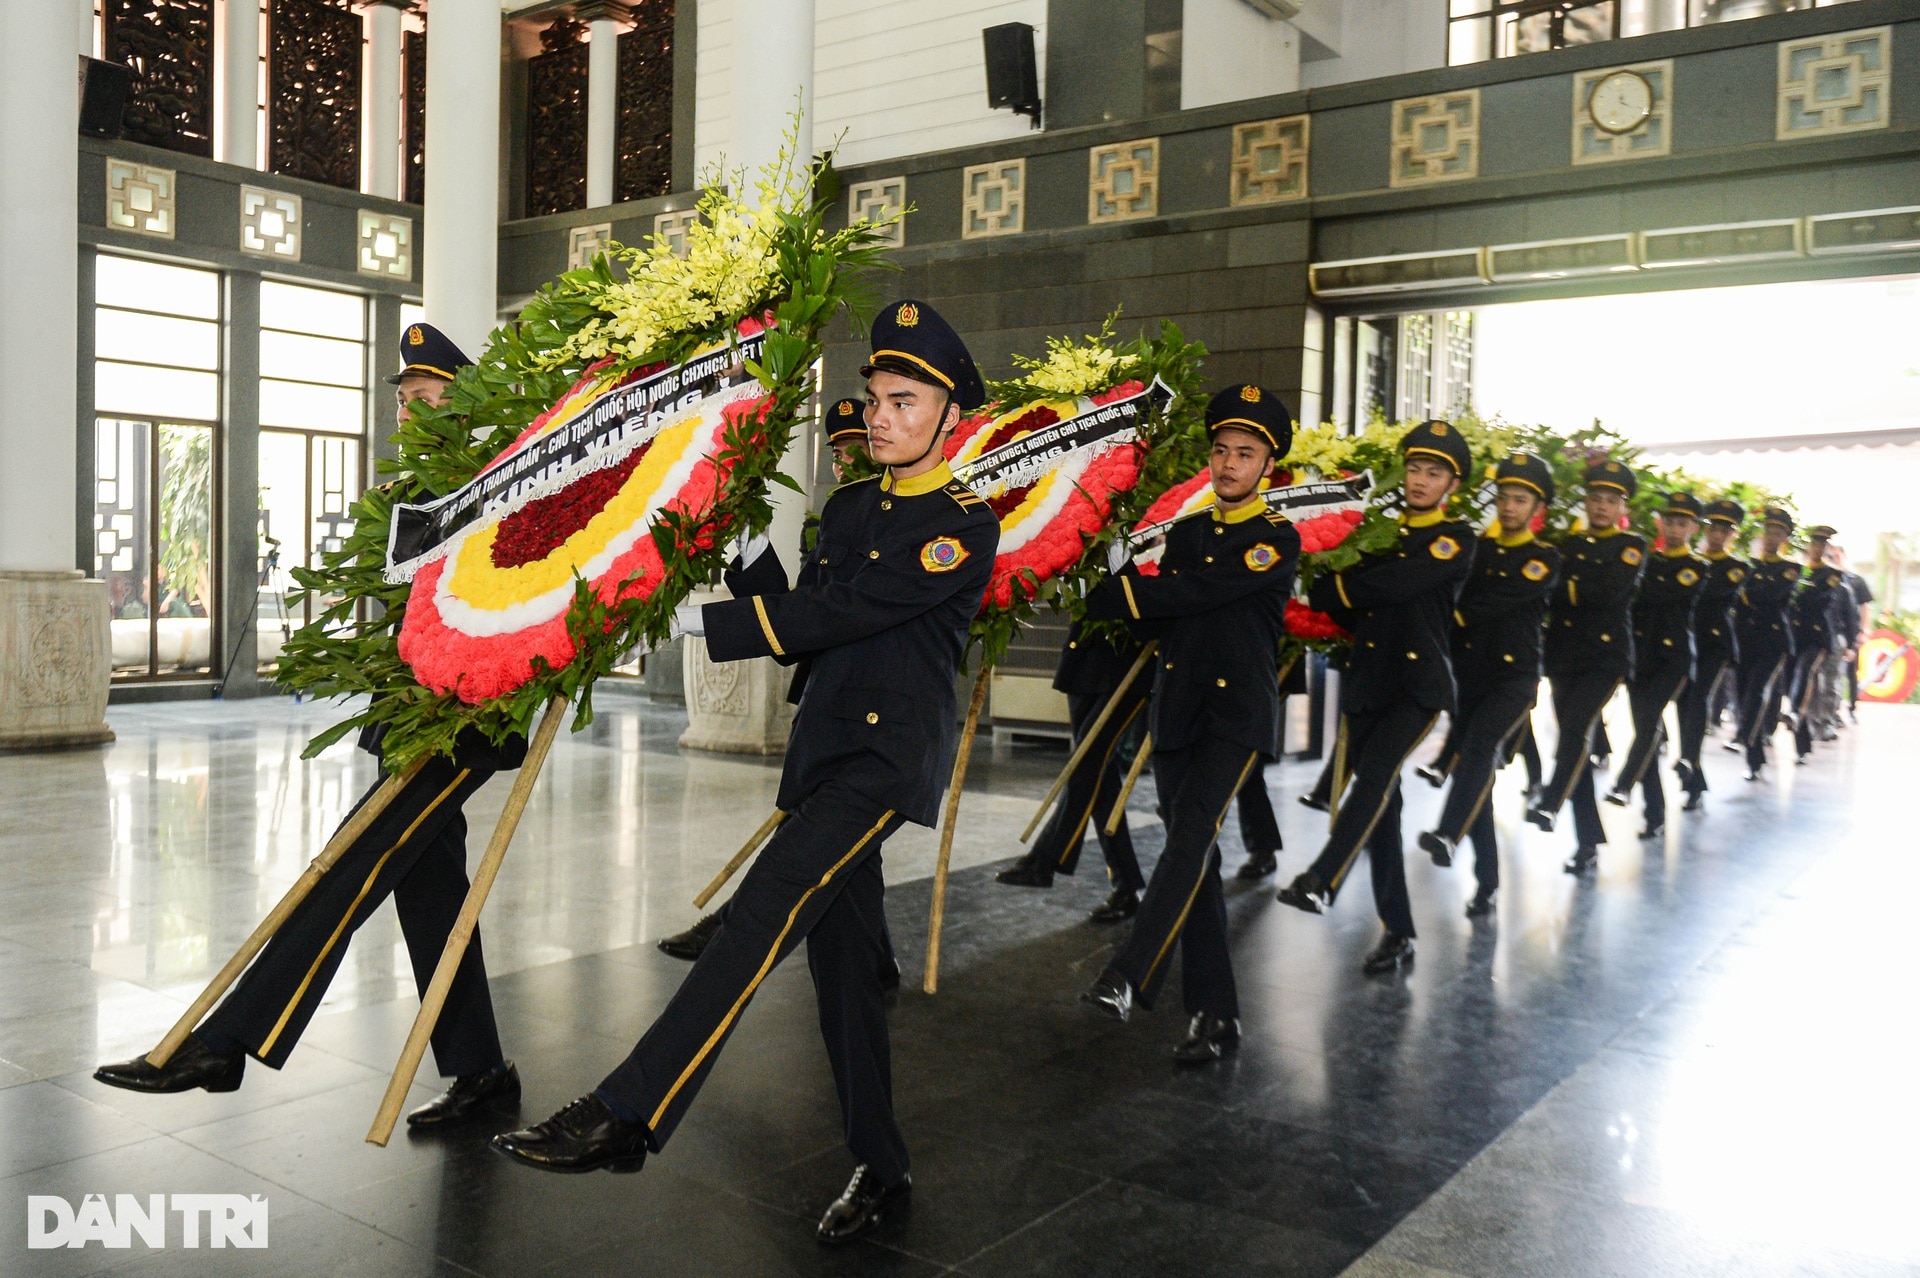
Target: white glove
{"points": [[747, 548], [1118, 552], [687, 621]]}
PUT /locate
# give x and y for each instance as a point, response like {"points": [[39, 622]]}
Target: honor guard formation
{"points": [[1182, 661]]}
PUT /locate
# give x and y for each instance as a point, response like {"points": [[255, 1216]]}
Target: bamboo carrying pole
{"points": [[345, 837], [932, 982], [1086, 742], [747, 849], [1140, 758], [456, 947]]}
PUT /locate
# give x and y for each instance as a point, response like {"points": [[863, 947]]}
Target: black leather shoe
{"points": [[692, 943], [1312, 801], [1753, 774], [1480, 906], [1304, 893], [1208, 1039], [1431, 775], [1654, 830], [1618, 798], [1110, 996], [1696, 801], [864, 1203], [1026, 873], [1542, 819], [1392, 951], [1438, 846], [1258, 865], [1583, 859], [1733, 747], [1800, 760], [193, 1064], [470, 1092], [1121, 904], [584, 1136]]}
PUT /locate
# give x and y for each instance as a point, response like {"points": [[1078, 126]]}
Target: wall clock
{"points": [[1621, 102]]}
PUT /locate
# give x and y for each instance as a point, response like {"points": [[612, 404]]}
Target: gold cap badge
{"points": [[415, 337], [846, 408], [1439, 428], [1250, 393], [908, 316]]}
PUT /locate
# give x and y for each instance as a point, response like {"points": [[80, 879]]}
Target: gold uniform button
{"points": [[1606, 638], [1413, 656], [886, 505], [1219, 683], [1209, 558], [1073, 643], [1508, 656], [872, 717], [1219, 532], [1169, 665], [873, 554], [1667, 642]]}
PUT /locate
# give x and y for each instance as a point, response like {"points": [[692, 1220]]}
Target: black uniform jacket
{"points": [[1218, 608], [1497, 621], [1760, 611], [1399, 605], [1590, 631], [1092, 665], [1663, 615], [876, 621], [1820, 611], [1713, 638]]}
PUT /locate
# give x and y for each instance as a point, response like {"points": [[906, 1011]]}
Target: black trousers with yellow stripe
{"points": [[1649, 694], [1092, 789], [1578, 701], [817, 880], [1764, 678], [1485, 729], [1183, 902], [415, 851], [1376, 744]]}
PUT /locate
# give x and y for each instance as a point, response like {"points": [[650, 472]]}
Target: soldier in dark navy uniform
{"points": [[415, 851], [1496, 662], [1663, 647], [1218, 608], [1398, 605], [1715, 649], [876, 623], [1589, 649], [846, 426], [1763, 628], [1092, 665], [1824, 619]]}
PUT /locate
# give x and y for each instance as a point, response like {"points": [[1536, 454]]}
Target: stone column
{"points": [[380, 156], [605, 20], [460, 243], [237, 661], [54, 662], [240, 83], [733, 707]]}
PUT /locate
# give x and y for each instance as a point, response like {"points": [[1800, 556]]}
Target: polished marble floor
{"points": [[1700, 1063]]}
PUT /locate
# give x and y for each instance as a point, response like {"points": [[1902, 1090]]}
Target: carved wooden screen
{"points": [[313, 88], [414, 47], [557, 121], [645, 137], [168, 44]]}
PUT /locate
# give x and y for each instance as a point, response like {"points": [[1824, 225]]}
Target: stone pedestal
{"points": [[54, 660], [734, 707]]}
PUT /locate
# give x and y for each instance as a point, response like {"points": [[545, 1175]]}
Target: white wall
{"points": [[891, 77], [1379, 38], [1230, 51]]}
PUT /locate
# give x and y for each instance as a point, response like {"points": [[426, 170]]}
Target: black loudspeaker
{"points": [[103, 97], [1013, 79]]}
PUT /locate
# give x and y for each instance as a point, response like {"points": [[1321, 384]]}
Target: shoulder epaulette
{"points": [[1275, 518], [967, 498]]}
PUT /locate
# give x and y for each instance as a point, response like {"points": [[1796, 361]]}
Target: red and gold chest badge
{"points": [[1261, 557], [1534, 570], [1737, 575], [942, 554], [1631, 556], [1444, 548], [1688, 576]]}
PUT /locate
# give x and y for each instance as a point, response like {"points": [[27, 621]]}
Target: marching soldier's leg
{"points": [[793, 881], [1690, 709], [1529, 750], [267, 1010], [1378, 744], [1197, 784], [1057, 849], [1123, 867], [1207, 986], [1487, 731], [1259, 829], [1486, 862], [1646, 700], [845, 953], [428, 900], [1387, 863], [1578, 701]]}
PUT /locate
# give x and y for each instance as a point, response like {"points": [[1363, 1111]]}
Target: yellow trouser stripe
{"points": [[1487, 789], [1653, 745], [340, 929], [1586, 741], [1180, 923], [1353, 853], [766, 965], [1080, 829]]}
